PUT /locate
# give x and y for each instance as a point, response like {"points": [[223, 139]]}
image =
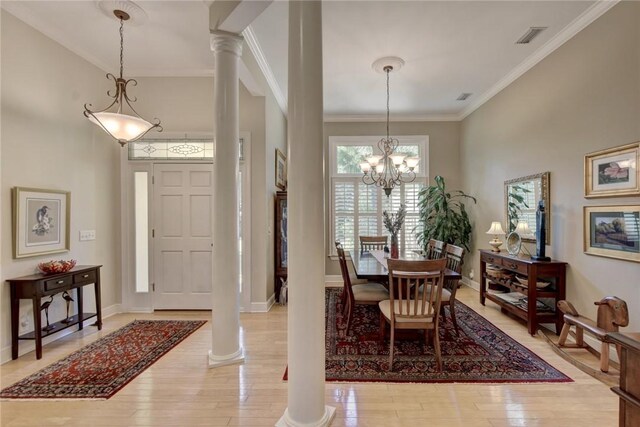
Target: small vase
{"points": [[395, 254]]}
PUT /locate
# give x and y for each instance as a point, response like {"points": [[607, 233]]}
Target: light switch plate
{"points": [[87, 235]]}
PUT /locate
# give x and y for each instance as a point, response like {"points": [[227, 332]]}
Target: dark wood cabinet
{"points": [[629, 390], [553, 272], [37, 286], [280, 232]]}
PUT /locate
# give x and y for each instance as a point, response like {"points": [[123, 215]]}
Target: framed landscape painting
{"points": [[613, 172], [281, 170], [40, 221], [612, 231]]}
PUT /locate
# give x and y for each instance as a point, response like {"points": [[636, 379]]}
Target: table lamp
{"points": [[496, 229], [523, 229]]}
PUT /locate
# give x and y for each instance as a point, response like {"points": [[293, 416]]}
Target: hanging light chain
{"points": [[388, 70], [121, 47]]}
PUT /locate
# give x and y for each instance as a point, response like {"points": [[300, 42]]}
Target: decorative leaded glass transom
{"points": [[175, 149]]}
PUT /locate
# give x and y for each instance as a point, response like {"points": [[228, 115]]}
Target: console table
{"points": [[37, 286], [551, 271], [629, 390]]}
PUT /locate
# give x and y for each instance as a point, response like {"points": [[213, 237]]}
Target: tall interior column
{"points": [[306, 221], [225, 318]]}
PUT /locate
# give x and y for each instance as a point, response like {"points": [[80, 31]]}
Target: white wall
{"points": [[582, 98], [47, 143]]}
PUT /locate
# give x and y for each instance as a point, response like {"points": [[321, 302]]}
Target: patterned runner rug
{"points": [[100, 369], [482, 352]]}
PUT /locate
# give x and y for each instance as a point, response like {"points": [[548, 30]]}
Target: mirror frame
{"points": [[544, 184]]}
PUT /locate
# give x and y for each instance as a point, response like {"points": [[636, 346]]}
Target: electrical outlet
{"points": [[87, 235], [471, 274]]}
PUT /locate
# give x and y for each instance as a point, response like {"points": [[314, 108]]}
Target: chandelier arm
{"points": [[87, 109], [115, 80], [133, 82]]}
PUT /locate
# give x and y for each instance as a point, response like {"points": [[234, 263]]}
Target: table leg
{"points": [[98, 301], [80, 313], [15, 321], [37, 325]]}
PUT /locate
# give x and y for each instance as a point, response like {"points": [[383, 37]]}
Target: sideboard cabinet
{"points": [[281, 244], [629, 389], [529, 308]]}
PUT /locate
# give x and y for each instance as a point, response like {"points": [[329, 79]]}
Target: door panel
{"points": [[183, 238]]}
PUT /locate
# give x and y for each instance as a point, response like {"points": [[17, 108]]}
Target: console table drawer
{"points": [[520, 267], [490, 259], [86, 277], [51, 285]]}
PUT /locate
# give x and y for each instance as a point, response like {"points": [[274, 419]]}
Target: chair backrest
{"points": [[417, 288], [368, 243], [342, 258], [455, 256], [435, 249]]}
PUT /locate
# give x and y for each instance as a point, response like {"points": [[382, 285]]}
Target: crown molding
{"points": [[599, 8], [370, 118], [252, 41]]}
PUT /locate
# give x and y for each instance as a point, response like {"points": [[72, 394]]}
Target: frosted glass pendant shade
{"points": [[122, 127]]}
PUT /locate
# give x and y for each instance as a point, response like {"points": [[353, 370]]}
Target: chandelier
{"points": [[122, 127], [392, 168]]}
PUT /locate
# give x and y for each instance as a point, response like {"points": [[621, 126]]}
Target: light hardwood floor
{"points": [[179, 390]]}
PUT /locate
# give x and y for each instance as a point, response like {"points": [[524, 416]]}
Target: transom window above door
{"points": [[356, 208], [175, 149]]}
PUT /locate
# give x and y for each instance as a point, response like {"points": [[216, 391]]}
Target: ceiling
{"points": [[449, 47]]}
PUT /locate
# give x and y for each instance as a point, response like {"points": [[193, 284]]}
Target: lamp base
{"points": [[495, 244]]}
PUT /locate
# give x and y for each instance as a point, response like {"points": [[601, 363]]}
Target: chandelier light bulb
{"points": [[380, 168], [374, 160], [365, 167], [412, 162], [397, 159]]}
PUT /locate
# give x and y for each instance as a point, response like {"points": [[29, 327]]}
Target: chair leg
{"points": [[452, 313], [349, 318], [618, 351], [604, 357], [564, 334], [383, 325], [391, 348], [579, 336], [436, 347]]}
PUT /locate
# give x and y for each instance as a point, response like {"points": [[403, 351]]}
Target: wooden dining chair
{"points": [[353, 277], [454, 256], [369, 243], [363, 293], [412, 308], [435, 249]]}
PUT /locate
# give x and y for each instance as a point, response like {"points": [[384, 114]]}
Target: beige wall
{"points": [[47, 143], [584, 97], [444, 154]]}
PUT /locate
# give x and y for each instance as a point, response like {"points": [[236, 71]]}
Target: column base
{"points": [[329, 413], [231, 359]]}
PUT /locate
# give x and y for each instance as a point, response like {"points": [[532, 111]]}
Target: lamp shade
{"points": [[496, 228], [523, 228], [122, 127]]}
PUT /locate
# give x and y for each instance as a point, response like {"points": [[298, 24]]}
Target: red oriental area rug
{"points": [[100, 369], [482, 353]]}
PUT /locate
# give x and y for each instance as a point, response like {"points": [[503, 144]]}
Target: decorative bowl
{"points": [[525, 282], [53, 267]]}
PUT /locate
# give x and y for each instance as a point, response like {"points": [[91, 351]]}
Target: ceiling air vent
{"points": [[531, 34], [463, 96]]}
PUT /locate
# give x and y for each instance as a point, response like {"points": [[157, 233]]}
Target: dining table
{"points": [[372, 266]]}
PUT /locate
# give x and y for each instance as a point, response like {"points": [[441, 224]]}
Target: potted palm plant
{"points": [[442, 216]]}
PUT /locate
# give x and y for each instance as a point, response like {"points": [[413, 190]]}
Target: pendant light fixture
{"points": [[390, 169], [123, 125]]}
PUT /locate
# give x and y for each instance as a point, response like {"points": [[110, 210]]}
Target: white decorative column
{"points": [[306, 221], [225, 318]]}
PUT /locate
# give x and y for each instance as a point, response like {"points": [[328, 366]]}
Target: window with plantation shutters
{"points": [[356, 208]]}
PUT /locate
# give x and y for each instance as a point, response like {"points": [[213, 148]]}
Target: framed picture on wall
{"points": [[613, 172], [40, 221], [281, 170], [612, 231]]}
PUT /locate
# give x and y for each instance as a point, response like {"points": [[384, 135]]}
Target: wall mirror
{"points": [[521, 196]]}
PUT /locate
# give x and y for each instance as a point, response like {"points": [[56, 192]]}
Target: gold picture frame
{"points": [[281, 170], [612, 231], [613, 172], [41, 221]]}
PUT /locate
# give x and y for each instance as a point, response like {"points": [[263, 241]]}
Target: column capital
{"points": [[222, 41]]}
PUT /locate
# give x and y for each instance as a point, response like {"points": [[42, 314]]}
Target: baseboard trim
{"points": [[263, 307], [470, 283], [29, 346], [333, 278]]}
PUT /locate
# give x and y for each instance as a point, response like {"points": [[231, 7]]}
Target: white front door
{"points": [[182, 237]]}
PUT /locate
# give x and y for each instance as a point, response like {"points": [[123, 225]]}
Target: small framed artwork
{"points": [[612, 231], [40, 221], [613, 172], [281, 170]]}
